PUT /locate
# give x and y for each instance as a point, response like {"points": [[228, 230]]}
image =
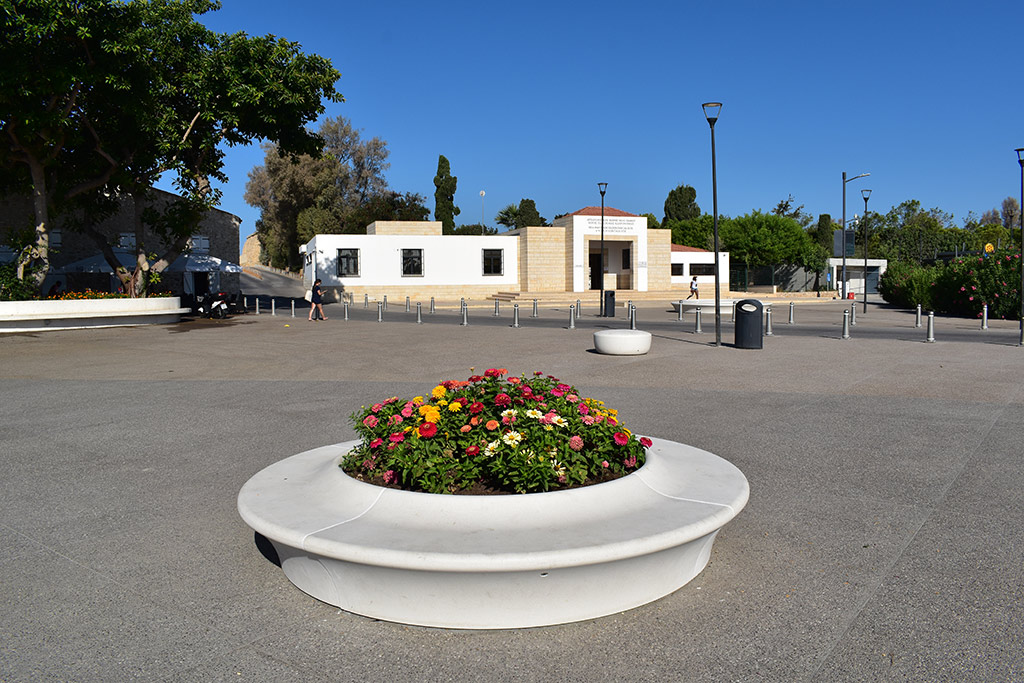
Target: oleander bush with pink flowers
{"points": [[493, 434]]}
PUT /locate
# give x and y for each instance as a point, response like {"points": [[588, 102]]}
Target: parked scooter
{"points": [[213, 305]]}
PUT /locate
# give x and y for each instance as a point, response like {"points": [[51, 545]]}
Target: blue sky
{"points": [[544, 100]]}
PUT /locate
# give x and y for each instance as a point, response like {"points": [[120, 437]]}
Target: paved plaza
{"points": [[883, 539]]}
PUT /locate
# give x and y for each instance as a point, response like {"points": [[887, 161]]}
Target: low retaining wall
{"points": [[72, 314]]}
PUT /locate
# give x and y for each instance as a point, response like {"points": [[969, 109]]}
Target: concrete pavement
{"points": [[882, 540]]}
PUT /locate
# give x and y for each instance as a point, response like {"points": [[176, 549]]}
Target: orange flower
{"points": [[492, 425]]}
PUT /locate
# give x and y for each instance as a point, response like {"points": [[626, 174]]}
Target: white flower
{"points": [[512, 438], [559, 421], [511, 412], [492, 448], [535, 414]]}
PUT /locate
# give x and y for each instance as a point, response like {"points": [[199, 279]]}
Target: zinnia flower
{"points": [[397, 437], [439, 391], [576, 442], [645, 442], [427, 430], [389, 476], [512, 438], [620, 438], [472, 450], [465, 428], [376, 443], [492, 425], [502, 400], [454, 407], [476, 407], [630, 461], [370, 421]]}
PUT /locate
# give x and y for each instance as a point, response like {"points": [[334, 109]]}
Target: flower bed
{"points": [[492, 434]]}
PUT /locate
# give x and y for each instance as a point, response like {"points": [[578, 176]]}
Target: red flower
{"points": [[376, 443], [472, 450], [645, 442], [397, 437], [491, 372], [502, 400], [428, 429], [476, 407], [620, 438]]}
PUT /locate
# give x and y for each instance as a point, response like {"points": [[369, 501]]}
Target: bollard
{"points": [[680, 310], [515, 315], [293, 308], [572, 317], [380, 311], [984, 316], [465, 315], [366, 300], [497, 309], [917, 322], [853, 315], [768, 322], [431, 305], [629, 304], [931, 327], [579, 307], [407, 304], [535, 313], [632, 317], [273, 306], [846, 324], [345, 306], [462, 303], [791, 307], [419, 313], [697, 329], [733, 312], [385, 302], [245, 303], [257, 305]]}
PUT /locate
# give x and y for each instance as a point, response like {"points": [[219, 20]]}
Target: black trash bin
{"points": [[749, 324], [609, 303]]}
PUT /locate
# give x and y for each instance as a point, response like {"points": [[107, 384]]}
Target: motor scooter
{"points": [[213, 305]]}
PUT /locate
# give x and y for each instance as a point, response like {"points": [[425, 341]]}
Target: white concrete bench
{"points": [[703, 304], [495, 561], [70, 314], [622, 342]]}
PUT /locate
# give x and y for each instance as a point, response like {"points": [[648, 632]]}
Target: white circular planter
{"points": [[622, 342], [502, 561]]}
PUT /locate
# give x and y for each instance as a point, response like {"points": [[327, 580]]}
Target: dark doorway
{"points": [[595, 271], [201, 283]]}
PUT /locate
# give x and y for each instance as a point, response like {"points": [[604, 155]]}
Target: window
{"points": [[200, 244], [494, 262], [626, 265], [348, 263], [56, 238], [412, 262], [702, 269], [126, 240], [677, 269]]}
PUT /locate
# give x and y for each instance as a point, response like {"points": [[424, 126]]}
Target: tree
{"points": [[696, 232], [1011, 213], [509, 217], [991, 217], [785, 208], [910, 233], [475, 229], [759, 239], [107, 96], [652, 220], [527, 215], [444, 196], [681, 204]]}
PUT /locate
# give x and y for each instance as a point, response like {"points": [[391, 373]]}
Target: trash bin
{"points": [[749, 324], [609, 303]]}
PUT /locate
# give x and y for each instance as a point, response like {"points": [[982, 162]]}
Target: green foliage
{"points": [[907, 285], [785, 208], [528, 216], [475, 229], [444, 196], [652, 220], [695, 232], [13, 288], [509, 217], [681, 204], [759, 239], [522, 435]]}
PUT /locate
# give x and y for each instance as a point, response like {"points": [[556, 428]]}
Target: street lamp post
{"points": [[1020, 160], [711, 111], [862, 175], [602, 188], [482, 193], [865, 194]]}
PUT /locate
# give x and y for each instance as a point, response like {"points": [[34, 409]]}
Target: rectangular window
{"points": [[626, 265], [677, 269], [200, 244], [412, 262], [126, 240], [494, 262], [348, 263], [702, 269], [56, 238]]}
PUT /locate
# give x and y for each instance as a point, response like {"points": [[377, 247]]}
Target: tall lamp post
{"points": [[1020, 160], [711, 111], [482, 193], [602, 188], [862, 175], [865, 194]]}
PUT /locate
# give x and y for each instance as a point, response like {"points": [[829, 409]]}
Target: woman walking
{"points": [[316, 302]]}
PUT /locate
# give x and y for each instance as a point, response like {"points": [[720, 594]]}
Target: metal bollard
{"points": [[407, 304], [257, 305], [931, 327], [273, 306], [245, 302], [462, 303], [846, 324], [697, 329], [431, 305], [535, 313], [572, 317], [345, 306], [380, 311], [293, 308], [419, 313], [515, 315], [853, 315], [791, 307], [680, 310], [629, 304], [366, 300], [579, 307], [385, 302], [733, 312], [768, 322], [984, 316], [917, 322], [465, 315], [497, 309], [632, 317]]}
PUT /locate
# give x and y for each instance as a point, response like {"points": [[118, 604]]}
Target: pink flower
{"points": [[472, 450], [389, 476], [376, 443], [620, 438], [397, 437], [576, 442], [407, 410], [645, 442], [572, 398], [630, 461], [376, 407], [370, 421], [583, 409], [604, 464], [561, 479], [395, 419], [368, 464], [557, 392], [589, 420], [502, 400]]}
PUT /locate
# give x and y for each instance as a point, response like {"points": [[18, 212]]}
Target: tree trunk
{"points": [[40, 253]]}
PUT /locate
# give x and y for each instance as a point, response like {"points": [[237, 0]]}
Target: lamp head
{"points": [[711, 110], [602, 187], [1020, 156], [865, 194]]}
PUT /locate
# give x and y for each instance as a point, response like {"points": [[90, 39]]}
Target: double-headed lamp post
{"points": [[602, 188], [711, 111], [865, 194], [1020, 160], [862, 175]]}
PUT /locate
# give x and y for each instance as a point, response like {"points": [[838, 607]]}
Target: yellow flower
{"points": [[454, 407], [439, 391], [426, 409], [418, 400], [432, 416]]}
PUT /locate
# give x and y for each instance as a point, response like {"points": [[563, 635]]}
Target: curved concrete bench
{"points": [[71, 314], [622, 342], [704, 305], [493, 561]]}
